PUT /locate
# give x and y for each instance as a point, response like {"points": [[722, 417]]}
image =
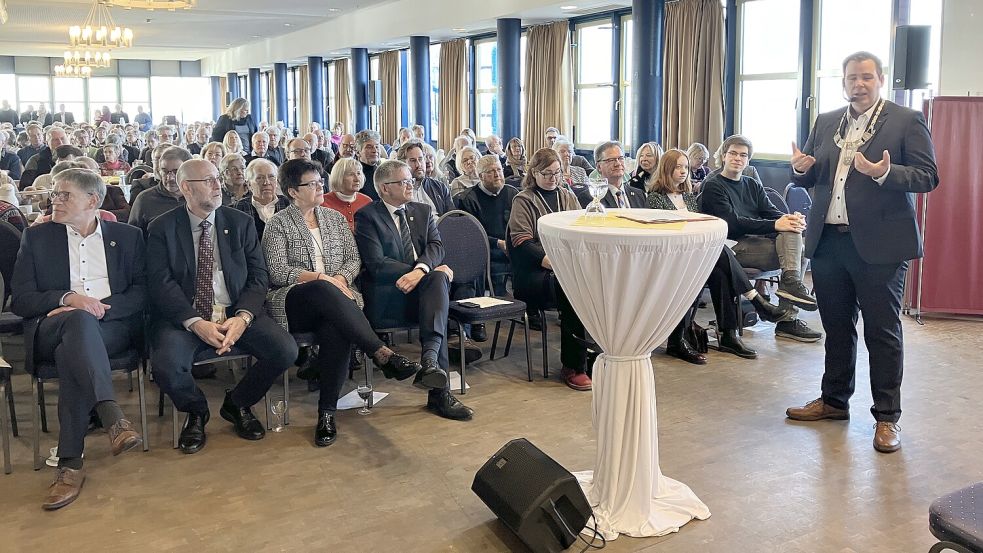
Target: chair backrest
{"points": [[9, 245], [798, 199], [776, 199], [465, 246]]}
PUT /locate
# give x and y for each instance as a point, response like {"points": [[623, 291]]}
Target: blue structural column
{"points": [[217, 103], [255, 101], [360, 87], [648, 17], [420, 65], [315, 79], [509, 87], [280, 84], [232, 81]]}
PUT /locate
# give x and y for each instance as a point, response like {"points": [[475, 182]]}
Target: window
{"points": [[373, 107], [625, 103], [186, 98], [768, 80], [434, 91], [103, 91], [71, 92], [134, 92], [243, 86], [290, 118], [486, 87], [331, 117], [846, 26], [594, 89], [33, 91]]}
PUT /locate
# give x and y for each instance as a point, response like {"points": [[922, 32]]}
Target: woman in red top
{"points": [[113, 164], [345, 182]]}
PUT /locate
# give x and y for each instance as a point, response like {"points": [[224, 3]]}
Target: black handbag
{"points": [[697, 337]]}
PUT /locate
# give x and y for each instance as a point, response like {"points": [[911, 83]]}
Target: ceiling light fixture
{"points": [[99, 30], [87, 58], [151, 5], [73, 71], [568, 8], [459, 29]]}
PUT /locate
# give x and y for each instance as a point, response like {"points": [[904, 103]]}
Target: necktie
{"points": [[204, 294], [621, 198], [404, 236]]}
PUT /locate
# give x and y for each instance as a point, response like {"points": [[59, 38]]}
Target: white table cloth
{"points": [[630, 288]]}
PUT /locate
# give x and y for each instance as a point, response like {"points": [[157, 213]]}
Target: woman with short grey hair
{"points": [[467, 164], [232, 170], [264, 198], [574, 178]]}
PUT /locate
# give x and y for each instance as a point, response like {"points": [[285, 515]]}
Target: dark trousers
{"points": [[428, 304], [80, 345], [320, 307], [573, 349], [845, 283], [174, 350], [727, 282]]}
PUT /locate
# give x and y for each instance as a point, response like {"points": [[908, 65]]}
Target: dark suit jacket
{"points": [[439, 195], [636, 198], [66, 117], [882, 216], [41, 275], [171, 262], [380, 247]]}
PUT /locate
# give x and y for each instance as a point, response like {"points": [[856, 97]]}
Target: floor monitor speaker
{"points": [[534, 496]]}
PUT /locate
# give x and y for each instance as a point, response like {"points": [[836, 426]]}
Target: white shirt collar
{"points": [[392, 209], [98, 230], [865, 116]]}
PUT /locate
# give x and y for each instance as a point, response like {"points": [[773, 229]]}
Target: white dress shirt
{"points": [[265, 211], [87, 263]]}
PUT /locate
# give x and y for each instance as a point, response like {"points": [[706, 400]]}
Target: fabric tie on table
{"points": [[623, 358], [204, 293], [404, 237]]}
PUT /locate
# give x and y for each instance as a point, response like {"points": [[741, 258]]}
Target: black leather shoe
{"points": [[730, 342], [478, 333], [446, 405], [192, 438], [398, 367], [246, 425], [684, 351], [325, 432], [770, 312], [430, 377], [305, 364]]}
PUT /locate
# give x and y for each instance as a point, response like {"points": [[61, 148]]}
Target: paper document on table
{"points": [[610, 220], [485, 301], [663, 217]]}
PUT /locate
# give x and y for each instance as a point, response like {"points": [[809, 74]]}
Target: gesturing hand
{"points": [[801, 162], [872, 170]]}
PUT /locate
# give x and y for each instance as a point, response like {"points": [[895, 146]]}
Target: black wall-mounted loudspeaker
{"points": [[911, 46], [375, 93], [534, 496]]}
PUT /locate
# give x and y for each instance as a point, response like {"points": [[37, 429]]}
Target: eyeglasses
{"points": [[742, 155], [263, 178], [300, 151], [56, 195], [404, 182], [550, 175], [212, 181], [619, 159], [315, 184]]}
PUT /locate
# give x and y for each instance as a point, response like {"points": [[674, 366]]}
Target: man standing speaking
{"points": [[865, 163]]}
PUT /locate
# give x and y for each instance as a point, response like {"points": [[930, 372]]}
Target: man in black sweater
{"points": [[767, 239]]}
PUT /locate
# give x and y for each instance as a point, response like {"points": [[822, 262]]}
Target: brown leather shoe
{"points": [[123, 437], [65, 488], [816, 410], [887, 437]]}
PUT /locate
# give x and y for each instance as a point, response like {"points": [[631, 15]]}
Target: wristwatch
{"points": [[245, 316]]}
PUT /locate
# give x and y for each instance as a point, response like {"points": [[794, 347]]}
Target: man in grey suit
{"points": [[865, 163]]}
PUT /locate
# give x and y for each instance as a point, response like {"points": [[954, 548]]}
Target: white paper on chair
{"points": [[455, 378], [485, 301], [352, 401], [4, 364]]}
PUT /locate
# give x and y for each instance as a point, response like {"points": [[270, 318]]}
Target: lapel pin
{"points": [[112, 244], [411, 218], [226, 231]]}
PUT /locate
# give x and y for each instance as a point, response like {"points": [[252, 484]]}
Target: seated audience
{"points": [[574, 178], [404, 279], [261, 145], [164, 197], [214, 303], [313, 262], [233, 143], [232, 169], [66, 152], [430, 166], [671, 189], [336, 133], [324, 156], [43, 161], [215, 152], [552, 135], [719, 160], [368, 144], [533, 278], [767, 239], [263, 198], [467, 162], [493, 147], [610, 158], [515, 159], [115, 200], [34, 135], [113, 164], [345, 182], [201, 138], [491, 202], [9, 161], [425, 189], [77, 322], [148, 181], [699, 156], [150, 142], [647, 156], [419, 132], [449, 164], [346, 147]]}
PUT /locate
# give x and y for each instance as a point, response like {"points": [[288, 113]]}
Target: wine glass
{"points": [[598, 187], [365, 392], [278, 408]]}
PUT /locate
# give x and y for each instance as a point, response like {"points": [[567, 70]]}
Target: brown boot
{"points": [[887, 437], [816, 410], [65, 488], [123, 437]]}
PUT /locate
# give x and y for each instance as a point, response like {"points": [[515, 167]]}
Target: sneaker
{"points": [[790, 287], [797, 330], [578, 381], [472, 352]]}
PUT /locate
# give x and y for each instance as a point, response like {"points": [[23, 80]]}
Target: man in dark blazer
{"points": [[202, 299], [865, 166], [404, 279], [610, 157], [79, 283], [63, 116], [425, 189]]}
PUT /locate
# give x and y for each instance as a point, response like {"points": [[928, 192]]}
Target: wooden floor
{"points": [[399, 479]]}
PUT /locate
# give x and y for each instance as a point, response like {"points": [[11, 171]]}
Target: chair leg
{"points": [[498, 326], [546, 348], [142, 389], [3, 429], [461, 344], [508, 341], [129, 376], [943, 545], [525, 329], [10, 404], [174, 425], [44, 414], [160, 404], [36, 418], [286, 398]]}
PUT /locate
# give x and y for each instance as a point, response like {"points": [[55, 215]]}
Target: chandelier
{"points": [[76, 71], [100, 30], [169, 5], [87, 58]]}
